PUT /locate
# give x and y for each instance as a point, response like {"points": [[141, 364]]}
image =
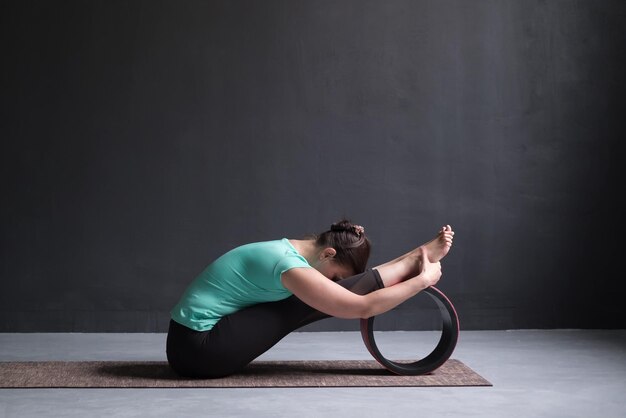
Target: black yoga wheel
{"points": [[441, 353]]}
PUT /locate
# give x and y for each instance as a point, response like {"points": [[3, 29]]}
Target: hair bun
{"points": [[337, 228], [342, 225], [347, 226]]}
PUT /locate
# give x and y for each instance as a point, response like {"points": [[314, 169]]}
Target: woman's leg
{"points": [[239, 338]]}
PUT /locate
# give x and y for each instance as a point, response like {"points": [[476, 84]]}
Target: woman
{"points": [[248, 299]]}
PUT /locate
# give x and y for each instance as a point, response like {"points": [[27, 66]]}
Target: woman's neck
{"points": [[306, 248]]}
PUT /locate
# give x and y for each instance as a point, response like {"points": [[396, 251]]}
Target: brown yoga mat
{"points": [[157, 374]]}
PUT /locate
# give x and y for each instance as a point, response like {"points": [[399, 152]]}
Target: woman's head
{"points": [[351, 246]]}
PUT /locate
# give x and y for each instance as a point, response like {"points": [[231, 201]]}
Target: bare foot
{"points": [[438, 247], [435, 250], [410, 264]]}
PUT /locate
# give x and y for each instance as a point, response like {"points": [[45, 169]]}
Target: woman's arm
{"points": [[319, 292]]}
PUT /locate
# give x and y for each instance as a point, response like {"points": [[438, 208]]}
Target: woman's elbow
{"points": [[363, 310], [367, 312], [358, 310]]}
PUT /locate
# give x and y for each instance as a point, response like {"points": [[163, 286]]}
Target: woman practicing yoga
{"points": [[248, 299]]}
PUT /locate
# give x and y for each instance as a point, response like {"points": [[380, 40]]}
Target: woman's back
{"points": [[243, 276]]}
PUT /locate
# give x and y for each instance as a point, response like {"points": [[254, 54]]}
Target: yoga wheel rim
{"points": [[441, 353]]}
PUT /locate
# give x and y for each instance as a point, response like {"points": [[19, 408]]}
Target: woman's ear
{"points": [[329, 252]]}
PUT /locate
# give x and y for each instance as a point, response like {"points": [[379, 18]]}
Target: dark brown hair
{"points": [[350, 242]]}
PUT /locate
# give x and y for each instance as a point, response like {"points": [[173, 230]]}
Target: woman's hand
{"points": [[431, 272]]}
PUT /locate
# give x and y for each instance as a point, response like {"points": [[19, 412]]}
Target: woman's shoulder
{"points": [[280, 245]]}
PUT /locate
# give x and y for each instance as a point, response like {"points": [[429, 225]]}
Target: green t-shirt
{"points": [[244, 276]]}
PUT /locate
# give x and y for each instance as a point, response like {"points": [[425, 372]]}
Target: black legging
{"points": [[239, 338]]}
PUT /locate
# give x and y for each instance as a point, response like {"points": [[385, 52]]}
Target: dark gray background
{"points": [[141, 139]]}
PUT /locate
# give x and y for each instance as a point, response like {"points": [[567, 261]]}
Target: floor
{"points": [[535, 373]]}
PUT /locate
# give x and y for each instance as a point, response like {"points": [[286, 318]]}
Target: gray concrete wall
{"points": [[141, 139]]}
